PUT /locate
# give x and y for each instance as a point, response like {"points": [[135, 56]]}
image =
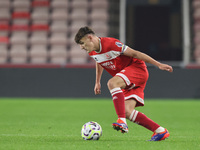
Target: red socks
{"points": [[143, 120], [136, 116], [118, 100]]}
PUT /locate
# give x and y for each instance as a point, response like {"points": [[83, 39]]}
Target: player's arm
{"points": [[99, 71], [146, 58]]}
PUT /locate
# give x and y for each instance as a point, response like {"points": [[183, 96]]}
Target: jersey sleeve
{"points": [[119, 46]]}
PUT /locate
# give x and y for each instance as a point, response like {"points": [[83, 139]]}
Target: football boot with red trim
{"points": [[160, 136], [120, 125]]}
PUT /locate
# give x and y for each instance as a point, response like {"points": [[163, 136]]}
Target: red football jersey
{"points": [[111, 56]]}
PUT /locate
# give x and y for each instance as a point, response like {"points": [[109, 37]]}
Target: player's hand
{"points": [[166, 67], [97, 89]]}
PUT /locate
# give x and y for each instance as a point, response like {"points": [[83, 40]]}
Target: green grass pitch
{"points": [[55, 124]]}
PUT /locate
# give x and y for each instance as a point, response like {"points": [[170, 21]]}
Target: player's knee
{"points": [[112, 84], [115, 83]]}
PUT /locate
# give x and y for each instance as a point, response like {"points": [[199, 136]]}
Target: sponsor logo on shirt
{"points": [[109, 65]]}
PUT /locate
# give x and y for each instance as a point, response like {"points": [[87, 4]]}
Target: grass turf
{"points": [[55, 124]]}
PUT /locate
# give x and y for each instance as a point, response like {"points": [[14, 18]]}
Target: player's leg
{"points": [[135, 116], [115, 84], [138, 117]]}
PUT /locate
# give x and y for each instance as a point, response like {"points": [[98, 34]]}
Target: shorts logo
{"points": [[119, 44]]}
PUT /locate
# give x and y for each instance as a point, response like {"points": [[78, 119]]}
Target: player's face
{"points": [[86, 43]]}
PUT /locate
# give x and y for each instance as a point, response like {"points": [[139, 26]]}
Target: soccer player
{"points": [[129, 71]]}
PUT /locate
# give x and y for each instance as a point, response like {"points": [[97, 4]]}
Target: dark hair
{"points": [[82, 32]]}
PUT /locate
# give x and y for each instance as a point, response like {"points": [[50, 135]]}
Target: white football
{"points": [[91, 131]]}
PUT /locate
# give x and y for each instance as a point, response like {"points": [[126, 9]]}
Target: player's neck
{"points": [[97, 43]]}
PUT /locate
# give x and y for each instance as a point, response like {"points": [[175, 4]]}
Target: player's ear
{"points": [[90, 36]]}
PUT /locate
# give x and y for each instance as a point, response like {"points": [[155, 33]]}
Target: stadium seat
{"points": [[77, 56], [59, 26], [100, 28], [99, 20], [40, 29], [4, 16], [95, 4], [40, 3], [4, 40], [58, 39], [58, 54], [79, 4], [59, 14], [20, 29], [18, 54], [20, 17], [3, 55], [3, 46], [40, 16], [39, 34], [19, 39], [4, 29], [5, 4], [99, 14], [75, 25], [79, 14], [21, 5], [196, 4], [60, 4], [38, 54], [37, 38], [71, 39]]}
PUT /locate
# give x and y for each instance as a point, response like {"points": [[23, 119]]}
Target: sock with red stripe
{"points": [[118, 100], [143, 120]]}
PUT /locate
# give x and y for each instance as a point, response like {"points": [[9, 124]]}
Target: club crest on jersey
{"points": [[119, 44]]}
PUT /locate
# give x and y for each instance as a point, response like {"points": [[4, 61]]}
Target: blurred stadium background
{"points": [[38, 57]]}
